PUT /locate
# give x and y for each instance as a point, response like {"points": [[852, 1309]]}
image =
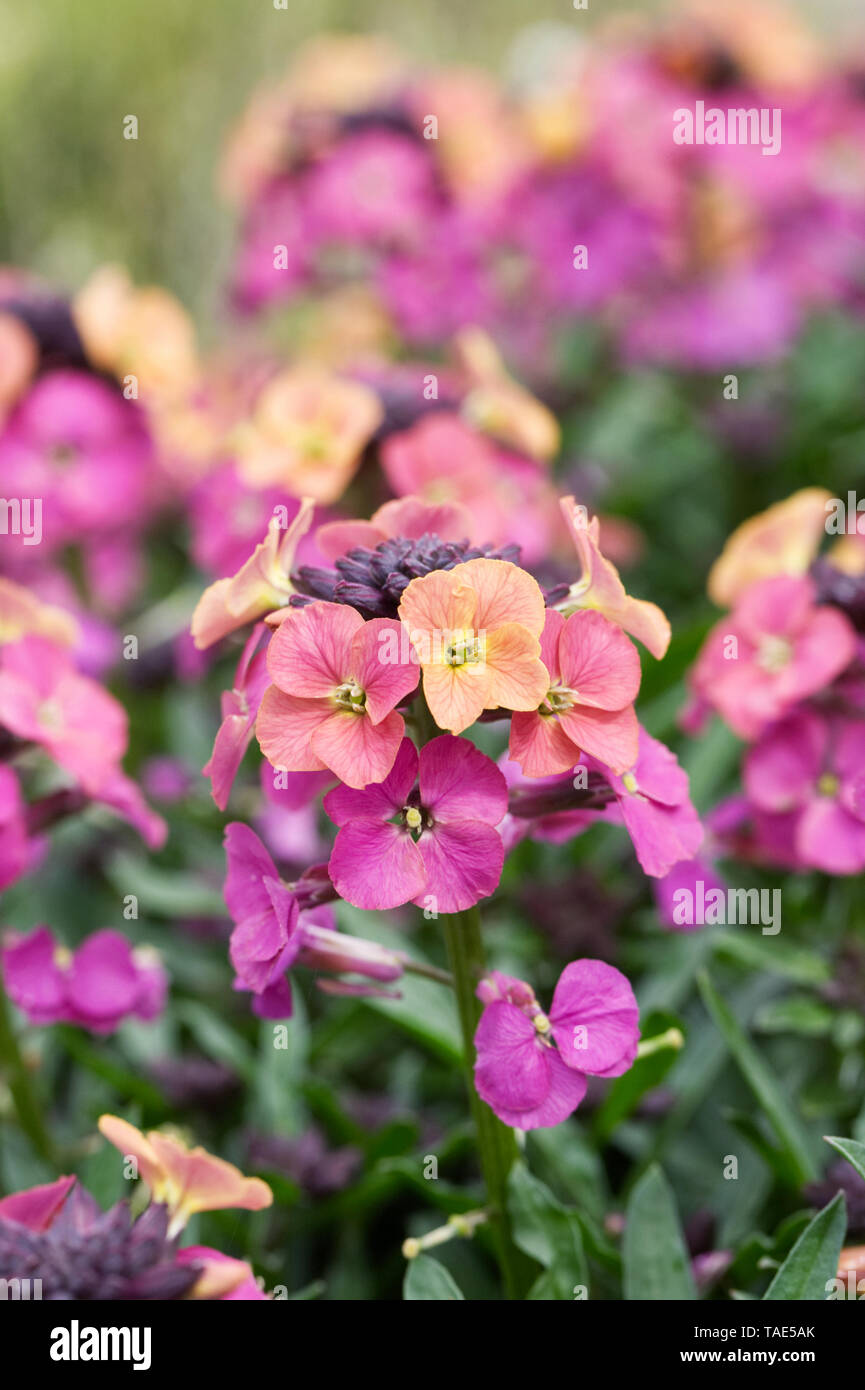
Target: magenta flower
{"points": [[278, 924], [377, 186], [96, 987], [531, 1067], [335, 689], [808, 772], [74, 442], [17, 851], [775, 648], [266, 937], [594, 675], [426, 832]]}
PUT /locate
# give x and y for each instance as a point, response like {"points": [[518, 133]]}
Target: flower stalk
{"points": [[496, 1143], [14, 1070]]}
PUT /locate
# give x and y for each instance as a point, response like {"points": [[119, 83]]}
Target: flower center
{"points": [[774, 653], [51, 714], [416, 820], [828, 784], [542, 1024], [464, 648], [629, 782], [349, 696], [558, 699]]}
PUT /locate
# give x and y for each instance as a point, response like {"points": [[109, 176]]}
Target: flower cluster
{"points": [[58, 1234], [386, 707], [785, 671], [694, 247]]}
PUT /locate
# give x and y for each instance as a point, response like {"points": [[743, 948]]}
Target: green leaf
{"points": [[217, 1039], [627, 1091], [852, 1150], [547, 1231], [657, 1267], [426, 1279], [813, 1261], [760, 1081], [777, 957]]}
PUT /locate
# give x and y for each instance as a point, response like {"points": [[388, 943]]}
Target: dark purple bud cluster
{"points": [[373, 581], [844, 591], [87, 1253]]}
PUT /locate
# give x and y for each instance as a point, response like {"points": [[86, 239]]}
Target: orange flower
{"points": [[476, 632], [309, 430], [782, 540], [143, 331], [22, 613], [498, 405], [185, 1180], [260, 586], [599, 586]]}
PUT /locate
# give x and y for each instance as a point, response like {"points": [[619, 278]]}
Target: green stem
{"points": [[18, 1078], [496, 1143]]}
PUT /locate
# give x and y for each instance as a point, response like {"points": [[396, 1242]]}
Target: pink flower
{"points": [[599, 586], [95, 987], [409, 517], [594, 675], [377, 186], [239, 711], [43, 699], [441, 459], [428, 831], [531, 1067], [654, 804], [333, 700], [775, 648], [17, 851], [811, 769]]}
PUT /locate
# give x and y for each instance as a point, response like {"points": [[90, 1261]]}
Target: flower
{"points": [[782, 540], [74, 442], [475, 629], [96, 987], [810, 769], [22, 614], [427, 831], [601, 588], [260, 586], [239, 711], [775, 648], [185, 1180], [265, 940], [17, 851], [594, 676], [278, 923], [409, 518], [44, 699], [531, 1067], [442, 458], [335, 689], [60, 1236], [653, 802], [309, 430]]}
